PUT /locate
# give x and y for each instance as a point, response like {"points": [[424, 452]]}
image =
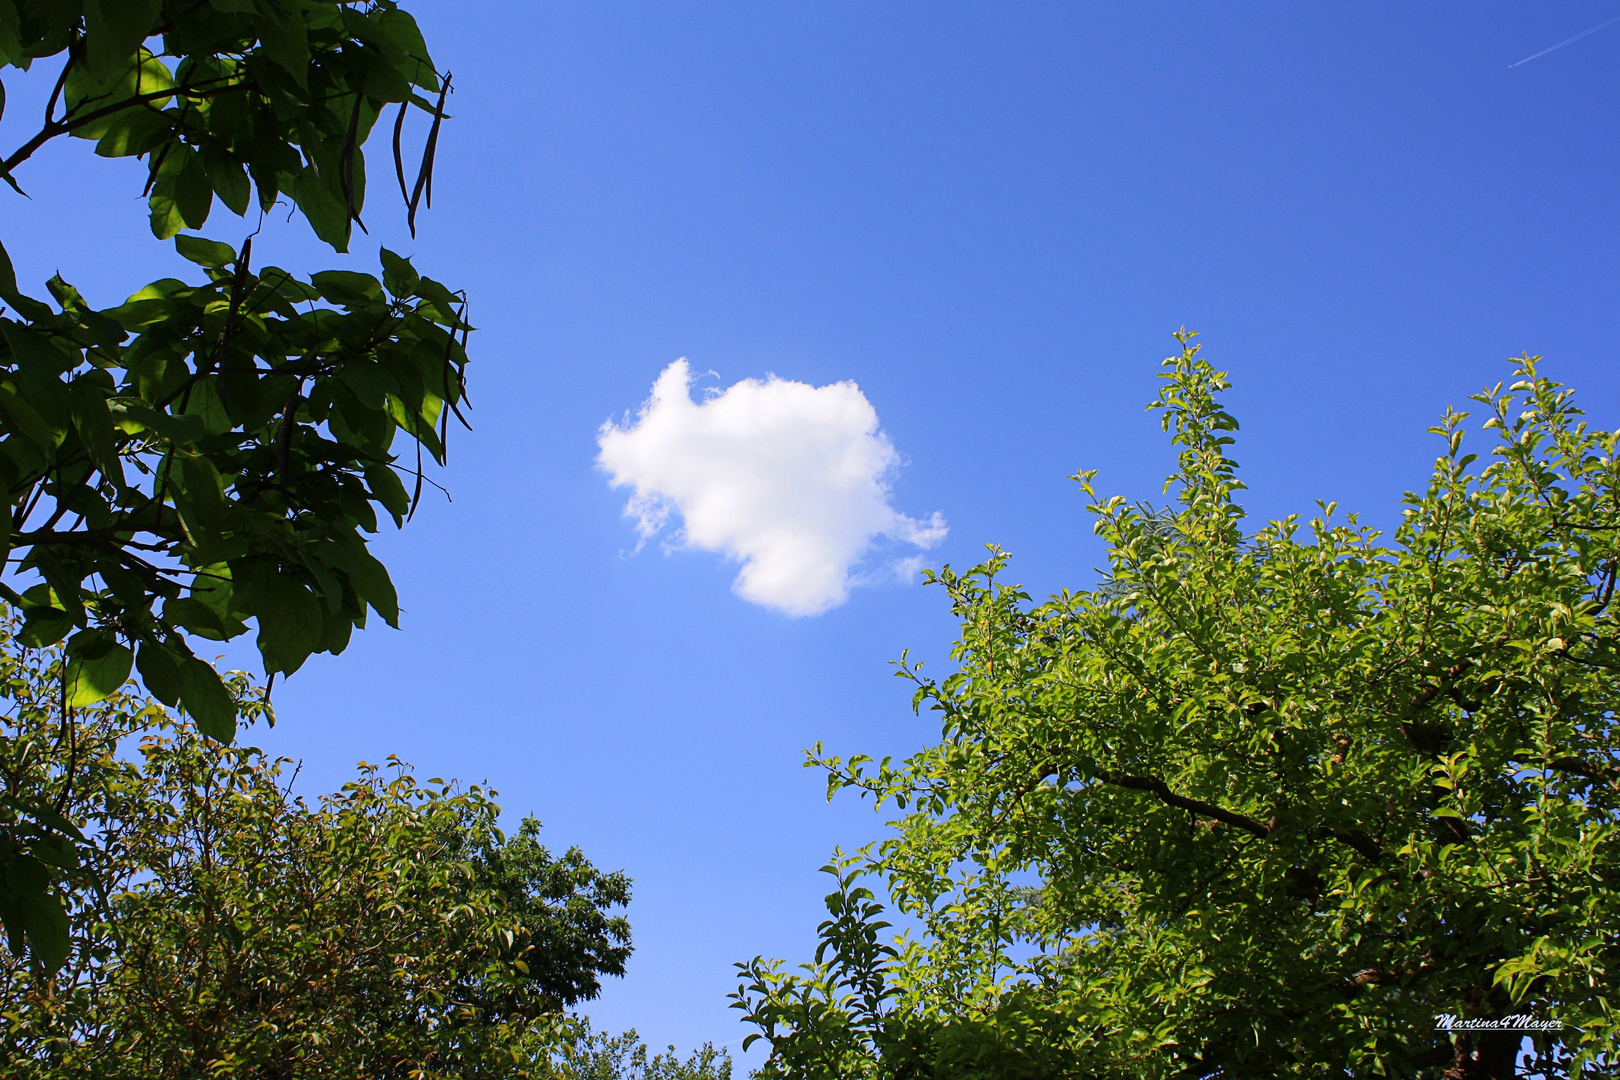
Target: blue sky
{"points": [[990, 218]]}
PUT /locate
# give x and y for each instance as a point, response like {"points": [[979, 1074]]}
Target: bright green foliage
{"points": [[390, 930], [1260, 804], [593, 1055], [207, 454], [834, 1021]]}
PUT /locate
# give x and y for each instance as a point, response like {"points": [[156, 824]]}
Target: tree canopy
{"points": [[388, 930], [592, 1055], [1261, 803], [214, 451]]}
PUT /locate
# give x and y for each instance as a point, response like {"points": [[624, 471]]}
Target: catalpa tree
{"points": [[212, 453]]}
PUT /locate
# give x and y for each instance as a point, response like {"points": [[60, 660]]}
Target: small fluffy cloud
{"points": [[786, 478]]}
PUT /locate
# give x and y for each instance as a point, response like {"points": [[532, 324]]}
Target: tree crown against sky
{"points": [[1261, 803], [209, 453], [223, 924]]}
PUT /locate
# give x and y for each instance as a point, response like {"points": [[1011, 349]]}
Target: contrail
{"points": [[1566, 41]]}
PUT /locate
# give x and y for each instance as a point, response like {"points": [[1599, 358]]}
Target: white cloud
{"points": [[786, 478]]}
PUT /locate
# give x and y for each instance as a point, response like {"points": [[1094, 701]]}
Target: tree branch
{"points": [[1587, 769], [62, 127], [1158, 787], [1357, 839], [1361, 841]]}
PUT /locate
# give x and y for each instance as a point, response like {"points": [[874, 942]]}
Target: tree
{"points": [[1258, 804], [592, 1055], [390, 930], [208, 453]]}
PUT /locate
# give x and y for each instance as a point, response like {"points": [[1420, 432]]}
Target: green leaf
{"points": [[196, 617], [327, 216], [370, 579], [165, 216], [180, 430], [212, 585], [11, 50], [419, 422], [86, 95], [387, 489], [289, 618], [55, 851], [160, 672], [399, 275], [284, 38], [66, 295], [108, 332], [139, 314], [35, 350], [26, 306], [44, 627], [369, 381], [204, 489], [22, 875], [93, 680], [442, 305], [229, 179], [95, 426], [205, 252], [401, 29], [368, 576], [335, 632], [114, 29], [204, 695], [193, 194], [43, 923], [205, 406], [347, 287], [25, 419], [134, 132]]}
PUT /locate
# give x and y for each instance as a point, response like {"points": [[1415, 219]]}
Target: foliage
{"points": [[205, 454], [390, 930], [230, 97], [594, 1055], [832, 1021], [1258, 805]]}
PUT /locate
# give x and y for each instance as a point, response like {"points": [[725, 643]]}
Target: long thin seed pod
{"points": [[449, 349], [433, 140], [444, 432], [399, 157], [346, 167], [416, 496], [424, 173]]}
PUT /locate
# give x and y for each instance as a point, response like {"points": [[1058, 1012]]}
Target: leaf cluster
{"points": [[229, 98], [202, 455]]}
